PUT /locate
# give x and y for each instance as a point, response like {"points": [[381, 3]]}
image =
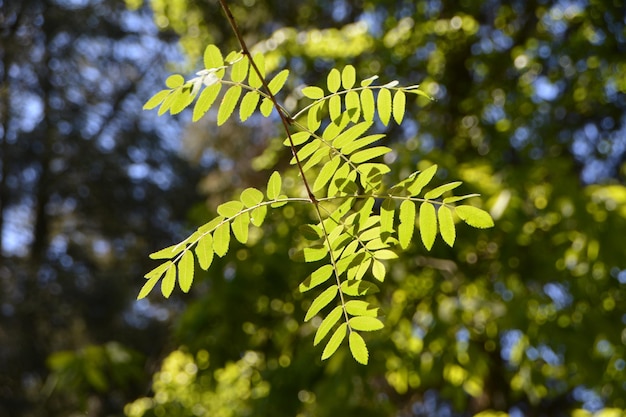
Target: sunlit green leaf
{"points": [[174, 81], [428, 224], [368, 105], [311, 231], [186, 267], [407, 223], [326, 173], [257, 216], [253, 78], [278, 81], [147, 287], [384, 105], [229, 101], [369, 154], [318, 277], [368, 81], [358, 288], [167, 284], [365, 323], [361, 308], [311, 254], [348, 77], [240, 227], [297, 138], [248, 105], [455, 198], [327, 324], [230, 208], [446, 225], [358, 348], [335, 341], [204, 251], [474, 216], [158, 271], [239, 70], [313, 116], [213, 57], [221, 239], [354, 145], [353, 106], [378, 270], [313, 92], [250, 197], [399, 106], [334, 107], [281, 200], [437, 192], [385, 254], [306, 151], [156, 99], [347, 137], [421, 180], [169, 252], [333, 81], [321, 301], [274, 185], [205, 100], [387, 214]]}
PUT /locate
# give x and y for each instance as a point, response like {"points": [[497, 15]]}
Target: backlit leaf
{"points": [[318, 277], [229, 101], [311, 254], [359, 143], [358, 348], [158, 271], [327, 324], [326, 173], [351, 134], [365, 323], [156, 99], [169, 252], [147, 287], [361, 308], [422, 179], [205, 100], [446, 225], [474, 216], [297, 138], [369, 154], [240, 227], [313, 92], [334, 107], [353, 106], [239, 70], [368, 105], [333, 81], [348, 77], [399, 105], [358, 288], [369, 81], [335, 341], [384, 105], [407, 223], [174, 81], [248, 105], [230, 208], [278, 81], [385, 254], [167, 285], [186, 267], [221, 239], [274, 185], [213, 57], [251, 197], [428, 224], [387, 212], [204, 251], [253, 78], [266, 107], [258, 215], [311, 231], [321, 301], [378, 270], [437, 192]]}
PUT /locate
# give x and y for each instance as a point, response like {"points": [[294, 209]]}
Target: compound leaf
{"points": [[251, 197], [361, 308], [213, 57], [384, 105], [335, 341], [399, 105], [258, 215], [186, 267], [407, 223], [318, 277], [357, 287], [348, 77], [230, 208], [428, 224], [333, 81], [446, 225], [313, 92], [248, 105], [365, 323], [421, 180], [147, 287], [205, 100], [239, 70], [167, 285], [368, 154], [156, 99], [204, 251], [221, 239], [278, 81], [229, 101], [474, 216], [240, 227], [358, 348], [368, 105], [253, 78]]}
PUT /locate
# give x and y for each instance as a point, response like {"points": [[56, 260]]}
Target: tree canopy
{"points": [[525, 319]]}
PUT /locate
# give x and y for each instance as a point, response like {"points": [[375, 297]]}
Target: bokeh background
{"points": [[526, 319]]}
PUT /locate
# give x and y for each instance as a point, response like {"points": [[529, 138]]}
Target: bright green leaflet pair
{"points": [[360, 221]]}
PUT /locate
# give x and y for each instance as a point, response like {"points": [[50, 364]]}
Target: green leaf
{"points": [[387, 209], [147, 287], [437, 192], [348, 77], [353, 106], [311, 254], [385, 254], [361, 308], [186, 269], [311, 231], [306, 151], [230, 208], [213, 57], [358, 288], [321, 301], [167, 285], [368, 81], [358, 348], [333, 81], [158, 271], [318, 277], [253, 78], [281, 200], [335, 341], [378, 270], [181, 101], [156, 99], [335, 127], [313, 92], [407, 223], [266, 107], [313, 116], [204, 251], [474, 216], [326, 173], [169, 252], [399, 105], [368, 105], [334, 107], [384, 105], [455, 198], [221, 239], [274, 185], [347, 137], [369, 154], [233, 57], [446, 225], [327, 324], [174, 81], [239, 70], [205, 100], [229, 101], [278, 81], [360, 143], [240, 227], [251, 197], [258, 215], [297, 138], [248, 105], [422, 179], [365, 323], [428, 224]]}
